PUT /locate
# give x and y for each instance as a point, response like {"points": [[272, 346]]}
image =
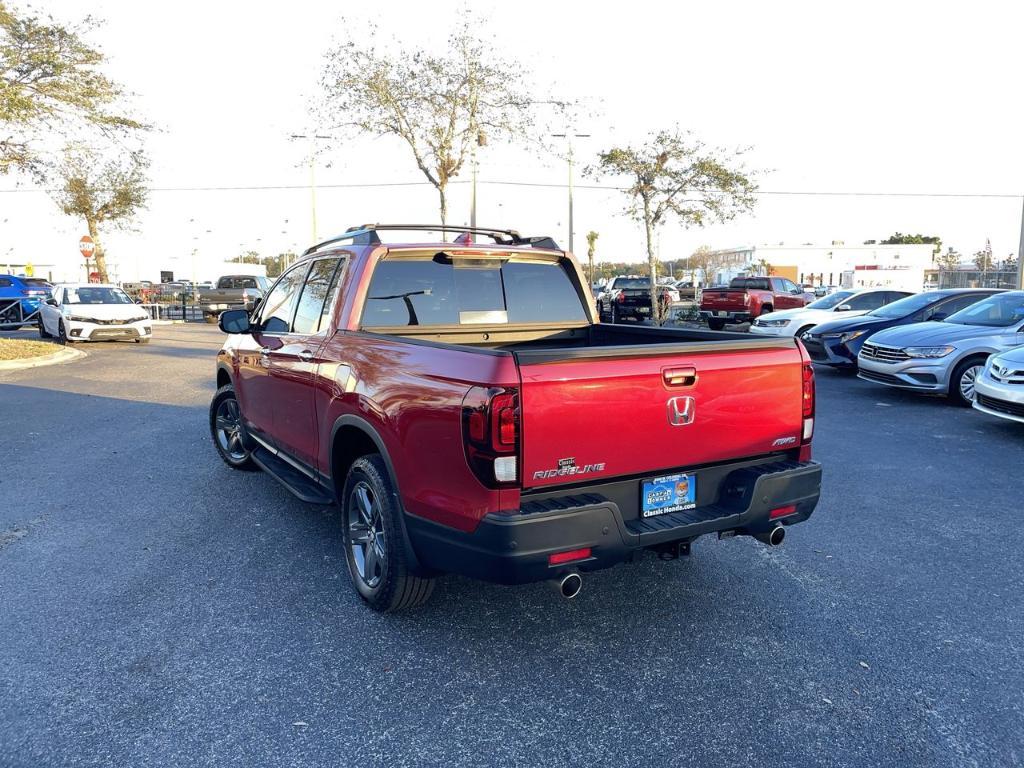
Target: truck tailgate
{"points": [[723, 299], [586, 419]]}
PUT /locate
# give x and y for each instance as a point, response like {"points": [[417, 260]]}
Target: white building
{"points": [[900, 267]]}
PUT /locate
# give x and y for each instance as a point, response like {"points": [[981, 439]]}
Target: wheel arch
{"points": [[980, 356], [223, 375], [351, 438]]}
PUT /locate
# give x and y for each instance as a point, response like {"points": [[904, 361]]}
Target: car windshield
{"points": [[907, 306], [834, 300], [994, 312], [95, 295]]}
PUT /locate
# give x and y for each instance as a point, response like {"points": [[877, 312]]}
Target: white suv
{"points": [[93, 312]]}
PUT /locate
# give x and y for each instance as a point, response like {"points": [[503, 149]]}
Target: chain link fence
{"points": [[976, 278]]}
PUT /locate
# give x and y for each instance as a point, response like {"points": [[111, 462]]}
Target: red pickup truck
{"points": [[465, 409], [750, 297]]}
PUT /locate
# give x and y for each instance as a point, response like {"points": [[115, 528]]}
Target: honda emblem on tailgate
{"points": [[681, 411]]}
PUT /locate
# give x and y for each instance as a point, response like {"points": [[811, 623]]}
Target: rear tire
{"points": [[227, 431], [373, 538], [961, 383], [715, 324]]}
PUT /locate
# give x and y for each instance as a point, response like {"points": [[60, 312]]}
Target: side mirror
{"points": [[138, 299], [938, 316], [51, 301], [234, 321], [844, 308]]}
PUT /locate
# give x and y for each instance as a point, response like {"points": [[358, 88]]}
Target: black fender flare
{"points": [[351, 420]]}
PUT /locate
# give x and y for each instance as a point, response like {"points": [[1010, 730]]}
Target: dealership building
{"points": [[870, 265]]}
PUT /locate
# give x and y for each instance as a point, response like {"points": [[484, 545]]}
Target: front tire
{"points": [[373, 540], [961, 383], [62, 334], [715, 324], [227, 431]]}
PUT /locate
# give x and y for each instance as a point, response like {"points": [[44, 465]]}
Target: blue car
{"points": [[20, 297], [838, 342]]}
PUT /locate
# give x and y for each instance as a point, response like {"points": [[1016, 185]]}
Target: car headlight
{"points": [[928, 352], [832, 335], [79, 318], [845, 337], [772, 323]]}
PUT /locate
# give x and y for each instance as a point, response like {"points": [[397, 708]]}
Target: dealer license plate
{"points": [[723, 314], [671, 493], [644, 310]]}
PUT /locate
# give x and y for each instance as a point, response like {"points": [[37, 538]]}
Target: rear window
{"points": [[756, 283], [237, 282], [633, 283], [441, 291]]}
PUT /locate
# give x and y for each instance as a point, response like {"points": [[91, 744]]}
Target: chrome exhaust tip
{"points": [[569, 585], [772, 538]]}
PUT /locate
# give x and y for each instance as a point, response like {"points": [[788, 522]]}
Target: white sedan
{"points": [[844, 303], [93, 312]]}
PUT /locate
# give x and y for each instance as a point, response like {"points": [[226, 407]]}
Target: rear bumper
{"points": [[730, 316], [514, 548]]}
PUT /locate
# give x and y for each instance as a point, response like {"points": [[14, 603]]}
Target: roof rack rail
{"points": [[366, 234]]}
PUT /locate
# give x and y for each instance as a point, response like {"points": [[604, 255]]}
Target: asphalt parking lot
{"points": [[157, 608]]}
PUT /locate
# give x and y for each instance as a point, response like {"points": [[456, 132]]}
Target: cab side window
{"points": [[947, 308], [316, 296], [279, 308]]}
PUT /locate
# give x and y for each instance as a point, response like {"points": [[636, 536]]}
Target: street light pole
{"points": [[569, 137], [312, 172]]}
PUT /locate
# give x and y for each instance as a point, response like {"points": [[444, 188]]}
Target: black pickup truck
{"points": [[629, 298]]}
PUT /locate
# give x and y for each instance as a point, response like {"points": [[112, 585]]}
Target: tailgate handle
{"points": [[683, 376]]}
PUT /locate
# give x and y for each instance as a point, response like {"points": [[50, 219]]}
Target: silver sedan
{"points": [[999, 390]]}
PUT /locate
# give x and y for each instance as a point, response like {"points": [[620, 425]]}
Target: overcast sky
{"points": [[862, 97]]}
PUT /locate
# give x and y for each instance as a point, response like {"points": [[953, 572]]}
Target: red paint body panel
{"points": [[411, 394], [615, 412]]}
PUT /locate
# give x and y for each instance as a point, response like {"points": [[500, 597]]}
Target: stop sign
{"points": [[86, 246]]}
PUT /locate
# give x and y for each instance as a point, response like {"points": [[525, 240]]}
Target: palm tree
{"points": [[591, 247]]}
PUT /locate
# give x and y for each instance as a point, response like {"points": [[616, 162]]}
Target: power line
{"points": [[543, 185]]}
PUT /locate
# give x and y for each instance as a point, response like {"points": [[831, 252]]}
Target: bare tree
{"points": [[440, 105], [674, 175], [707, 261], [102, 192]]}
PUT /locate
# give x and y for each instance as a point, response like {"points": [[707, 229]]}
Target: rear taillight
{"points": [[621, 297], [808, 401], [490, 431]]}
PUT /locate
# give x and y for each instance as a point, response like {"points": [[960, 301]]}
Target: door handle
{"points": [[683, 376], [305, 355]]}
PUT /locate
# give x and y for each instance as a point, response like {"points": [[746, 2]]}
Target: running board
{"points": [[303, 486]]}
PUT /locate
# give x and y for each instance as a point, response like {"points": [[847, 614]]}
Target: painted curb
{"points": [[62, 356]]}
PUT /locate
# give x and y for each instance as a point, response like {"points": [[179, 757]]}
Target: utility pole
{"points": [[1020, 249], [312, 172], [481, 141], [569, 137]]}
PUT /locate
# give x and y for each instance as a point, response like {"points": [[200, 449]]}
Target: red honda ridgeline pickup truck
{"points": [[468, 413]]}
